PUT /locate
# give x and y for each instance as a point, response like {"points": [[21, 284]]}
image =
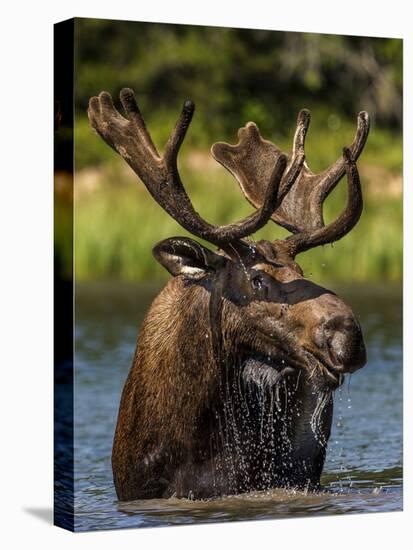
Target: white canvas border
{"points": [[26, 270]]}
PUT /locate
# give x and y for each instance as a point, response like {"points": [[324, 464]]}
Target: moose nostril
{"points": [[345, 342], [341, 323], [338, 346]]}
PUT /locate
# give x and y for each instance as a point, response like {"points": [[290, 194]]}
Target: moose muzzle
{"points": [[340, 343]]}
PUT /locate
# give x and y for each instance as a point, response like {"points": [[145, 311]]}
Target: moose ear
{"points": [[182, 256]]}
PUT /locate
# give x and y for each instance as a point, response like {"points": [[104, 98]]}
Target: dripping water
{"points": [[254, 426], [323, 399]]}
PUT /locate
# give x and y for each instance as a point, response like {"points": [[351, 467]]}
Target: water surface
{"points": [[363, 470]]}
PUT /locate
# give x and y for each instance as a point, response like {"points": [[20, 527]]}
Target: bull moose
{"points": [[238, 357]]}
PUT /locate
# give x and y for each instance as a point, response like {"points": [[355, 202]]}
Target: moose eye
{"points": [[257, 282]]}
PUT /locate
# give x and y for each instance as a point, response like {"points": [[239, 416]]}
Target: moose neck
{"points": [[174, 375]]}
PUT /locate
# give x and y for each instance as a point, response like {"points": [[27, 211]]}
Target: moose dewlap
{"points": [[231, 384]]}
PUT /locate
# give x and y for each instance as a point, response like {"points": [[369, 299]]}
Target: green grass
{"points": [[117, 224]]}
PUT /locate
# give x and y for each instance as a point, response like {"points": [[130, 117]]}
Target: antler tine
{"points": [[127, 98], [178, 135], [332, 175], [303, 122], [321, 187], [130, 138], [298, 153], [334, 231]]}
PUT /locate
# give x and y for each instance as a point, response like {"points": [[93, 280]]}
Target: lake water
{"points": [[363, 470]]}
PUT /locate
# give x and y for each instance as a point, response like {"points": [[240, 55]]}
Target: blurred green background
{"points": [[234, 76]]}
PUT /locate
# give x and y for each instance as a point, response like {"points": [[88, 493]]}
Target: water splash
{"points": [[323, 399], [337, 452]]}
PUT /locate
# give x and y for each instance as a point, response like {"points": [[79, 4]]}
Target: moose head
{"points": [[240, 317]]}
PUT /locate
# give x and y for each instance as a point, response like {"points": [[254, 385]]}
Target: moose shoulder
{"points": [[237, 359]]}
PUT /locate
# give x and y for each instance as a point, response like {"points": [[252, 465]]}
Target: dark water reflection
{"points": [[363, 471]]}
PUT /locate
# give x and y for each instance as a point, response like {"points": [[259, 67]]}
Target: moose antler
{"points": [[130, 138], [252, 159]]}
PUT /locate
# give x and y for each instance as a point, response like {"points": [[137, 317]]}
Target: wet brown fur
{"points": [[166, 392]]}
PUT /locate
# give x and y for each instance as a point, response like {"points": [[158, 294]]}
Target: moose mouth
{"points": [[267, 371], [323, 370]]}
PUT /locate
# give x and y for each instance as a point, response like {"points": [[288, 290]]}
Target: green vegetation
{"points": [[235, 75]]}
